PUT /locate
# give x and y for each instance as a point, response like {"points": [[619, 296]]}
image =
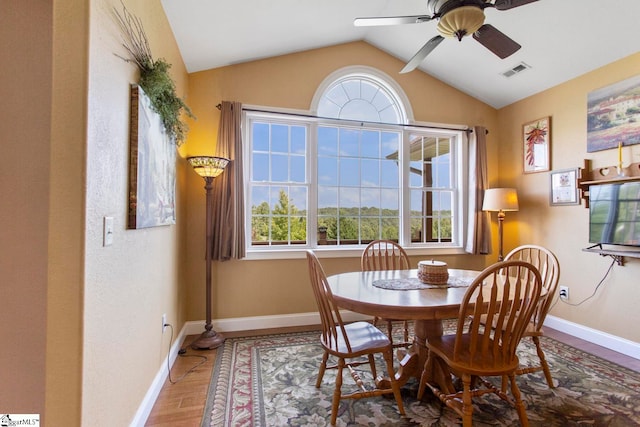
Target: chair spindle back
{"points": [[547, 264], [384, 255], [506, 295]]}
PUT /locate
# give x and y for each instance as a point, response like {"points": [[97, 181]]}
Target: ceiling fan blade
{"points": [[390, 20], [421, 54], [510, 4], [496, 41]]}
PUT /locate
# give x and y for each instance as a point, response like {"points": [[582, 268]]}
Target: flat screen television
{"points": [[614, 214]]}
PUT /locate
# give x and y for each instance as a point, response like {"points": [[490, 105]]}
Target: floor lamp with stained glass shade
{"points": [[208, 167], [500, 200]]}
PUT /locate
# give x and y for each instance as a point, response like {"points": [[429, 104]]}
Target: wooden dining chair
{"points": [[507, 294], [353, 344], [549, 268], [547, 264], [386, 255]]}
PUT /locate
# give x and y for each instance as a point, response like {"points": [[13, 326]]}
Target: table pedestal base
{"points": [[413, 363]]}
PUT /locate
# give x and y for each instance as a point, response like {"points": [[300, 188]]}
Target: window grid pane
{"points": [[279, 188], [362, 213]]}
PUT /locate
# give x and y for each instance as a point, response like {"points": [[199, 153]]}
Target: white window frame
{"points": [[459, 162]]}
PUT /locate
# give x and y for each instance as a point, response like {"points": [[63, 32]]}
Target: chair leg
{"points": [[467, 405], [406, 331], [390, 331], [335, 404], [505, 381], [388, 357], [428, 368], [372, 364], [543, 362], [515, 391], [323, 368]]}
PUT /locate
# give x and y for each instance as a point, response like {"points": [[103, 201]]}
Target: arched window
{"points": [[361, 95], [356, 169]]}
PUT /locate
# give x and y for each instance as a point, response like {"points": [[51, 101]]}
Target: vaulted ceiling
{"points": [[561, 39]]}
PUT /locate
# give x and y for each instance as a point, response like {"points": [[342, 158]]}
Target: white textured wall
{"points": [[129, 285]]}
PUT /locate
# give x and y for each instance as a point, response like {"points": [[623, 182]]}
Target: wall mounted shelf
{"points": [[605, 175], [617, 254]]}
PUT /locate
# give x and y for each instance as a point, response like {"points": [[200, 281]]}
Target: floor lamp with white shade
{"points": [[208, 167], [500, 200]]}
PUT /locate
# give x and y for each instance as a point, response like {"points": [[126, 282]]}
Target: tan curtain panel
{"points": [[228, 212], [479, 222]]}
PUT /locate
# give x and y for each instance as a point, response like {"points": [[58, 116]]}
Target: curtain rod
{"points": [[256, 110]]}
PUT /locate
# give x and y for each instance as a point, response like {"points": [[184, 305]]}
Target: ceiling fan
{"points": [[456, 18]]}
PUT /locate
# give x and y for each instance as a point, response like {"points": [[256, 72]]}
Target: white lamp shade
{"points": [[500, 199]]}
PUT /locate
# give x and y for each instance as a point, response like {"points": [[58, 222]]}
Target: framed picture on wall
{"points": [[536, 142], [564, 187], [152, 162], [612, 114]]}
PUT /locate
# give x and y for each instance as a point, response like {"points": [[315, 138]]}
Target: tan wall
{"points": [[66, 213], [25, 125], [255, 288], [565, 229]]}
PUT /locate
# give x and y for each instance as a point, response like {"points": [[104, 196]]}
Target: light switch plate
{"points": [[107, 237]]}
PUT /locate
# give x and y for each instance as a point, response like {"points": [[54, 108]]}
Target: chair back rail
{"points": [[330, 318], [547, 264]]}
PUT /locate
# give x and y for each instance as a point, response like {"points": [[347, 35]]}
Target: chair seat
{"points": [[363, 337], [478, 365]]}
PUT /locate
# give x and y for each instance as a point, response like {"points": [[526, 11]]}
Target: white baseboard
{"points": [[142, 414], [603, 339], [612, 342], [267, 322]]}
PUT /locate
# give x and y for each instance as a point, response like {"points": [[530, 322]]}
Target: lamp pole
{"points": [[208, 168], [500, 221]]}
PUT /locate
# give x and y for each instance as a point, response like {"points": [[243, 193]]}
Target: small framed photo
{"points": [[536, 141], [564, 187]]}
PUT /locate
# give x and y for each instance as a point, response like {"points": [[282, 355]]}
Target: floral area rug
{"points": [[270, 381]]}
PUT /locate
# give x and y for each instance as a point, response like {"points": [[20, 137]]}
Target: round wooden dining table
{"points": [[384, 294]]}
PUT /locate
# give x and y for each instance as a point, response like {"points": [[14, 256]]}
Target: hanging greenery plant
{"points": [[155, 79]]}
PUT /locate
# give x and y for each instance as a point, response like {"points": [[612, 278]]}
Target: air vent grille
{"points": [[516, 70]]}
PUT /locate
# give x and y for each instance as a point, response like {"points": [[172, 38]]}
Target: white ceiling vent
{"points": [[517, 69]]}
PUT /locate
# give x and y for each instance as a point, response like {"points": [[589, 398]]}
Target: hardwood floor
{"points": [[181, 404]]}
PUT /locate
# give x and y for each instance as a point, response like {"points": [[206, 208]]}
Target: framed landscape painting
{"points": [[536, 142], [152, 166], [613, 115]]}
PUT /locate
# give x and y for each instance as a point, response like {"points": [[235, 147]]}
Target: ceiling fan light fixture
{"points": [[461, 21]]}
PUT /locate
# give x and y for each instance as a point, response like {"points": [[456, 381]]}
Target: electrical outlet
{"points": [[564, 292], [164, 321]]}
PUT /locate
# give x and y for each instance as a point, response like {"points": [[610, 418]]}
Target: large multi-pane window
{"points": [[338, 181]]}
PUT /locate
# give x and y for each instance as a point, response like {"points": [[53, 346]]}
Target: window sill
{"points": [[299, 253]]}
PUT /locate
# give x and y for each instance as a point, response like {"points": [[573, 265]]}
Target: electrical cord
{"points": [[594, 291], [181, 353]]}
